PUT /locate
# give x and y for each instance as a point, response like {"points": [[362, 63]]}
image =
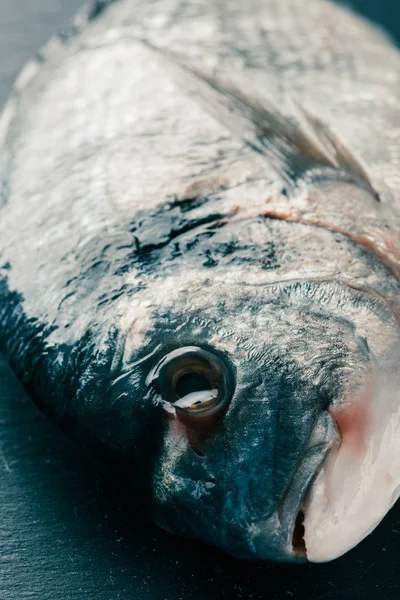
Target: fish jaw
{"points": [[358, 482]]}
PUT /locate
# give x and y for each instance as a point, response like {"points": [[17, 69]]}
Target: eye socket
{"points": [[197, 383]]}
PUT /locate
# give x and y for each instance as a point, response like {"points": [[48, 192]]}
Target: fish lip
{"points": [[294, 502]]}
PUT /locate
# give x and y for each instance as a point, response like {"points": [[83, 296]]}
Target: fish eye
{"points": [[196, 382]]}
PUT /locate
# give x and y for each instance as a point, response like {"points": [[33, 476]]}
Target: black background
{"points": [[65, 534]]}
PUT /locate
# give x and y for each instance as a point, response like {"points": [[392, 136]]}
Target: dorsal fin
{"points": [[296, 146], [332, 147], [293, 144]]}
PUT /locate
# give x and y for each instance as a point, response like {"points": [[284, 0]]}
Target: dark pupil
{"points": [[191, 382]]}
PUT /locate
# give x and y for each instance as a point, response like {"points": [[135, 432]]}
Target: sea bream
{"points": [[200, 263]]}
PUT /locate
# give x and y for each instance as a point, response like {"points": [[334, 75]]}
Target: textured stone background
{"points": [[64, 535]]}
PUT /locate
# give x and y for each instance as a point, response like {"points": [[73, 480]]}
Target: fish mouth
{"points": [[352, 490], [348, 481], [293, 508]]}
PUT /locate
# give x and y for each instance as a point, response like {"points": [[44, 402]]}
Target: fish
{"points": [[200, 263]]}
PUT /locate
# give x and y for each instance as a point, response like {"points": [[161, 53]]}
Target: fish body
{"points": [[200, 263]]}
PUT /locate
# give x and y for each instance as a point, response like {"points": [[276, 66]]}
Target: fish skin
{"points": [[190, 173]]}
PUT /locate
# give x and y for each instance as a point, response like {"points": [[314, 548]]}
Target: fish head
{"points": [[270, 413]]}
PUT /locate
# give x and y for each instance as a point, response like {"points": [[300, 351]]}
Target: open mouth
{"points": [[298, 542]]}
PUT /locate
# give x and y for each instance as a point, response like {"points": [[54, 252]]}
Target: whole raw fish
{"points": [[200, 263]]}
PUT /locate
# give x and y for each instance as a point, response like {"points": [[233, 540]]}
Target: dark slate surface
{"points": [[66, 535]]}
